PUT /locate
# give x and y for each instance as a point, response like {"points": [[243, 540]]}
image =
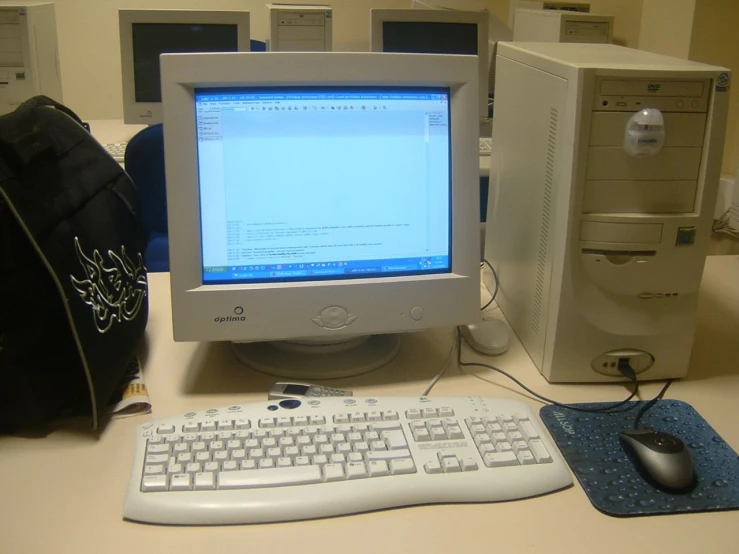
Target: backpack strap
{"points": [[24, 142]]}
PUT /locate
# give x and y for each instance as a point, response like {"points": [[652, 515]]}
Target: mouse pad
{"points": [[589, 443]]}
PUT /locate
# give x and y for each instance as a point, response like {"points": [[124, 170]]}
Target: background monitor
{"points": [[320, 197], [435, 32], [145, 34]]}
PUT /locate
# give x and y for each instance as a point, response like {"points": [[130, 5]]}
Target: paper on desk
{"points": [[131, 398]]}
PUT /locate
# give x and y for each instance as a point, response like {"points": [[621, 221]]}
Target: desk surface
{"points": [[64, 493]]}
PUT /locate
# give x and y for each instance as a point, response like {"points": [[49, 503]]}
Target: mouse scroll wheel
{"points": [[664, 441]]}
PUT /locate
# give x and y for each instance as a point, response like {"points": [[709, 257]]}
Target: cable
{"points": [[497, 285], [652, 402], [443, 368], [544, 398]]}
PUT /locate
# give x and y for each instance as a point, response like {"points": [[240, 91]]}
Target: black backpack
{"points": [[73, 286]]}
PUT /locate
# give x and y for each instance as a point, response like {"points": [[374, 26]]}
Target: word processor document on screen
{"points": [[323, 183]]}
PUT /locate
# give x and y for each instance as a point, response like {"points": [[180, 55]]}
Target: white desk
{"points": [[64, 493]]}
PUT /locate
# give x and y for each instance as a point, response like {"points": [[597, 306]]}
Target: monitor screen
{"points": [[323, 183], [425, 37], [152, 39]]}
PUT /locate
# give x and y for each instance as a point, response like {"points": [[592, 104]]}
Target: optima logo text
{"points": [[229, 319]]}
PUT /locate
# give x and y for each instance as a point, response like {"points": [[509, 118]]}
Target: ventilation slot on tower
{"points": [[545, 215]]}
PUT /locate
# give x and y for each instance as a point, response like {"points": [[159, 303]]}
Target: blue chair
{"points": [[144, 161]]}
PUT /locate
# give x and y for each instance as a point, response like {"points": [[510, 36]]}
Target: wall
{"points": [[667, 26], [90, 55], [715, 40]]}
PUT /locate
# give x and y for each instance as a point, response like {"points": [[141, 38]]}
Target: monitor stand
{"points": [[319, 358]]}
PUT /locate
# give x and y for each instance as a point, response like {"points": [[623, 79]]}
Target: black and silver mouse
{"points": [[664, 457]]}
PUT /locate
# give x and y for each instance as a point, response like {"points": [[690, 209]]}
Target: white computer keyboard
{"points": [[300, 459], [116, 150], [486, 146]]}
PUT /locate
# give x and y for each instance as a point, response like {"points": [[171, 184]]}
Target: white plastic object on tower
{"points": [[645, 133]]}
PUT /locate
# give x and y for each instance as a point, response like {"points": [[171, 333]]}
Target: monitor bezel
{"points": [[149, 113], [380, 16], [287, 310]]}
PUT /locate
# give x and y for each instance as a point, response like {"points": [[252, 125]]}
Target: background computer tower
{"points": [[600, 254], [300, 28], [562, 26], [29, 56]]}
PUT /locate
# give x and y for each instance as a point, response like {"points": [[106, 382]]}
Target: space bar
{"points": [[277, 477]]}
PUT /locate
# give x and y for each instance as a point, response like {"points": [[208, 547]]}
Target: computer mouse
{"points": [[489, 336], [665, 458]]}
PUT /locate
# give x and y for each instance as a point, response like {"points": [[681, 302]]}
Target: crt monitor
{"points": [[320, 204], [435, 32], [146, 34]]}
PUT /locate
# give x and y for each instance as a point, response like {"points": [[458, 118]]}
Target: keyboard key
{"points": [[242, 424], [528, 430], [402, 466], [468, 464], [450, 465], [387, 454], [153, 483], [446, 412], [432, 467], [158, 449], [500, 459], [333, 472], [541, 455], [378, 427], [153, 469], [378, 468], [394, 439], [421, 435], [413, 413], [390, 415], [226, 425], [204, 482], [156, 459], [454, 432], [208, 426], [355, 470], [525, 457], [267, 422], [191, 427], [165, 429], [437, 433], [276, 477], [248, 464], [266, 463]]}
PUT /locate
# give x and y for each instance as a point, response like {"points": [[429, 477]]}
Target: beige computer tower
{"points": [[600, 254], [562, 26], [300, 28], [29, 57]]}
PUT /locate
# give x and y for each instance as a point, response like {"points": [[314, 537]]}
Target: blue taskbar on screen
{"points": [[325, 270]]}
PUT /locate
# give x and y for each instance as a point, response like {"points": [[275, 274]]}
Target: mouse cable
{"points": [[495, 292], [652, 402], [631, 376], [443, 368]]}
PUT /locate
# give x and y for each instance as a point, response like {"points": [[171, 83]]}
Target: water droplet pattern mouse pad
{"points": [[589, 443]]}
